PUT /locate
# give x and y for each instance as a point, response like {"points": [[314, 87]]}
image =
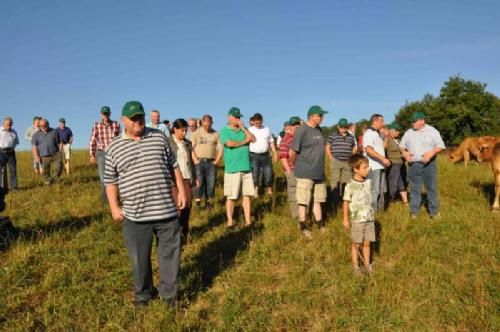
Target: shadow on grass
{"points": [[35, 233], [213, 259], [488, 189], [214, 220]]}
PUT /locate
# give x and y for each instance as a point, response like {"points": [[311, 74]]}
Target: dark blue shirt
{"points": [[46, 143], [65, 135]]}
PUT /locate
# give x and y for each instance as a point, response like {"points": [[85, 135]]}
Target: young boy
{"points": [[358, 201]]}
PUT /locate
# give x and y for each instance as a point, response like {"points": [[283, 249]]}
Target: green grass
{"points": [[69, 269]]}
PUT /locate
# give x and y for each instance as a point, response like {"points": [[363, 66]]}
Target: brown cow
{"points": [[486, 147], [469, 146], [495, 166]]}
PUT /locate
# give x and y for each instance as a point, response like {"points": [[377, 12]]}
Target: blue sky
{"points": [[188, 58]]}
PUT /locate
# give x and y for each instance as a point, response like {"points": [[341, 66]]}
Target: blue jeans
{"points": [[138, 238], [206, 174], [378, 178], [426, 173], [262, 162], [100, 157]]}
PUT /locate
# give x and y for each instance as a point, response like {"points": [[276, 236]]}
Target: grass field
{"points": [[69, 270]]}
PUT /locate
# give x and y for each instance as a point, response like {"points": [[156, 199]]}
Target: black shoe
{"points": [[208, 206]]}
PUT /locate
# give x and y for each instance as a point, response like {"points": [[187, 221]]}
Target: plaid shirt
{"points": [[285, 145], [102, 135]]}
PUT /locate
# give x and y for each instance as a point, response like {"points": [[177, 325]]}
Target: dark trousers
{"points": [[139, 242], [261, 163], [11, 166], [396, 180], [47, 161], [206, 174], [100, 157], [427, 174]]}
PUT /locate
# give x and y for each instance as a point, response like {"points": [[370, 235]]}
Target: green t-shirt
{"points": [[235, 159]]}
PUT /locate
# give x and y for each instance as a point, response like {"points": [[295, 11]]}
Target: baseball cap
{"points": [[417, 116], [316, 110], [63, 120], [132, 108], [105, 110], [394, 125], [294, 120], [235, 111], [36, 117], [343, 123]]}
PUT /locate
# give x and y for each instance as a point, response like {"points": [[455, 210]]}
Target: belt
{"points": [[206, 159], [260, 154], [7, 149]]}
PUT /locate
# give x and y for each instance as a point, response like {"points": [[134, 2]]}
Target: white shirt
{"points": [[182, 160], [263, 138], [8, 138], [418, 142], [372, 138]]}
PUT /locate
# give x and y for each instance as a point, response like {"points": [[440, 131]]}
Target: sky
{"points": [[186, 58]]}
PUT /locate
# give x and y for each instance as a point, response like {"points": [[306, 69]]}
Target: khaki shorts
{"points": [[307, 188], [234, 182], [363, 231], [66, 152]]}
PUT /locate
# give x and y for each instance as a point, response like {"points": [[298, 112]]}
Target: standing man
{"points": [[340, 147], [308, 153], [259, 154], [373, 146], [37, 166], [207, 152], [419, 146], [47, 150], [351, 129], [237, 168], [157, 124], [66, 138], [288, 165], [103, 133], [8, 142], [143, 181], [192, 126]]}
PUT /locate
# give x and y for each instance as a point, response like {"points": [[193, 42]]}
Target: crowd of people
{"points": [[151, 173]]}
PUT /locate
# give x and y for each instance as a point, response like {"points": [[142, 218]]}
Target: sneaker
{"points": [[413, 216], [208, 205], [369, 269], [321, 227], [357, 271], [436, 216], [305, 231], [198, 205]]}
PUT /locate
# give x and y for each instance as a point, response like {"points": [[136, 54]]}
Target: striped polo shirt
{"points": [[142, 170], [341, 146]]}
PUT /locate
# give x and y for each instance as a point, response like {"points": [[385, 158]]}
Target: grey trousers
{"points": [[139, 241], [291, 186]]}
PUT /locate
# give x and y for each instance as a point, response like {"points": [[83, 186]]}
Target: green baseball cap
{"points": [[132, 108], [394, 126], [294, 120], [417, 116], [286, 123], [63, 120], [316, 110], [235, 111], [36, 117], [343, 123], [105, 110]]}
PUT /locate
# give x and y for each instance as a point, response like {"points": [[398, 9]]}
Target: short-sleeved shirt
{"points": [[309, 144], [160, 126], [47, 143], [65, 135], [341, 146], [418, 142], [372, 138], [263, 138], [8, 138], [359, 196], [285, 145], [142, 171], [235, 159], [205, 143]]}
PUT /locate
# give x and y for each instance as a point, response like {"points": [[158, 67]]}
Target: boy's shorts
{"points": [[307, 188], [234, 182], [363, 231]]}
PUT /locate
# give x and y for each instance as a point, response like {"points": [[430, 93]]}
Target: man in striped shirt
{"points": [[103, 133], [140, 169], [288, 165], [340, 146]]}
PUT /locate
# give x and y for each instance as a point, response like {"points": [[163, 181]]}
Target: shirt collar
{"points": [[147, 133]]}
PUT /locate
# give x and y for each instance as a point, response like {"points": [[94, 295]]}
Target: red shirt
{"points": [[102, 135], [285, 145]]}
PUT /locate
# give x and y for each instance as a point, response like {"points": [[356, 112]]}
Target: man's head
{"points": [[36, 121], [180, 129], [418, 120], [133, 118], [257, 120], [44, 124], [394, 129], [62, 123], [167, 123], [352, 127], [192, 124], [342, 126], [315, 115], [293, 123], [359, 165], [7, 122], [206, 121], [234, 115], [155, 117], [105, 113], [377, 121]]}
